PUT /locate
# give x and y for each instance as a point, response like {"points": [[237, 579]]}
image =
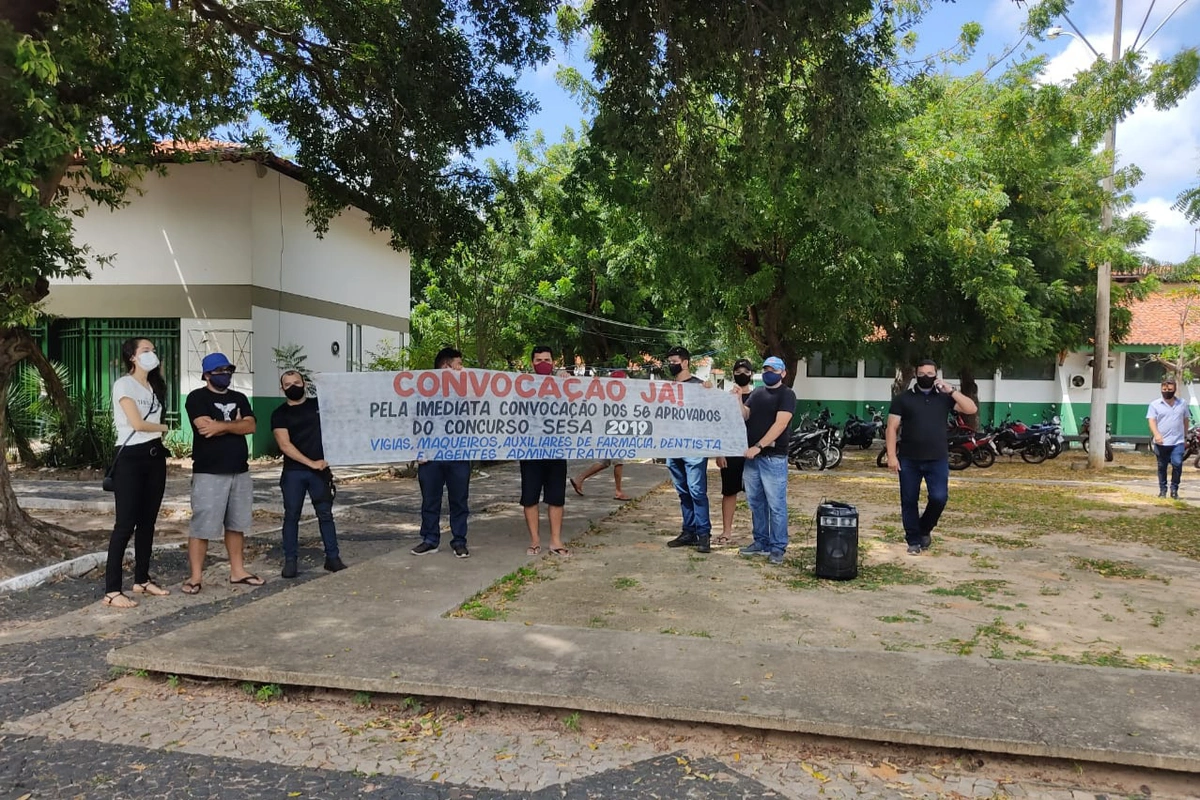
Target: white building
{"points": [[217, 255]]}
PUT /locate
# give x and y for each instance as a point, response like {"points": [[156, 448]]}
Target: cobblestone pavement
{"points": [[70, 728]]}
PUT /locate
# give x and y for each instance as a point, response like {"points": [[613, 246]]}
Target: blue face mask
{"points": [[771, 378], [220, 380]]}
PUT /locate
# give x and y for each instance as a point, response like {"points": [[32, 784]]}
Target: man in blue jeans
{"points": [[689, 475], [297, 428], [454, 477], [918, 449], [768, 412], [1169, 417]]}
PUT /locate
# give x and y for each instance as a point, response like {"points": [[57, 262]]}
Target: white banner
{"points": [[483, 415]]}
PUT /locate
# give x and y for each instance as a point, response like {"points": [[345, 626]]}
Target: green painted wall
{"points": [[262, 442]]}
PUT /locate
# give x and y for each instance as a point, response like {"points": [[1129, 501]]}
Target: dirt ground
{"points": [[1093, 575]]}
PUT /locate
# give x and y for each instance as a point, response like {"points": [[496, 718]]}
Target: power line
{"points": [[566, 310]]}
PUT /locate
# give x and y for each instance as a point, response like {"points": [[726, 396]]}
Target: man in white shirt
{"points": [[1169, 418]]}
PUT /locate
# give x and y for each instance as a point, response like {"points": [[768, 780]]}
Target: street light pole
{"points": [[1099, 409]]}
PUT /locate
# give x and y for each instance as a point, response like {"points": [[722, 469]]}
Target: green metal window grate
{"points": [[90, 349]]}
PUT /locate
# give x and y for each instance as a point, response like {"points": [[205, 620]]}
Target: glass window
{"points": [[878, 368], [1034, 369], [1142, 368], [818, 367]]}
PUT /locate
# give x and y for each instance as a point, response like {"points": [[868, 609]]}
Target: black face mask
{"points": [[926, 381], [294, 392], [1168, 395], [741, 380], [675, 369]]}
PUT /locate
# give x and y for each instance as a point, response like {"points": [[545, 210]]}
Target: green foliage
{"points": [[82, 437], [25, 407], [387, 356], [291, 356], [178, 444]]}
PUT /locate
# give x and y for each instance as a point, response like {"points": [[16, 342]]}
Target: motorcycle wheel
{"points": [[865, 445], [1085, 444], [881, 459], [809, 458], [983, 457], [960, 457], [1108, 454], [1053, 448], [833, 456], [1034, 454]]}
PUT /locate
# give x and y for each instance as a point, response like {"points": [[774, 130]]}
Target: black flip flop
{"points": [[249, 580]]}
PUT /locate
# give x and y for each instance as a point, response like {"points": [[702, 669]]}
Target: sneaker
{"points": [[1162, 492], [926, 542], [776, 559], [290, 570], [424, 549], [1174, 493], [752, 550], [461, 551], [703, 544], [914, 549], [334, 564], [684, 540]]}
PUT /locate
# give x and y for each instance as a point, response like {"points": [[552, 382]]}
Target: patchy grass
{"points": [[911, 615], [1115, 569], [798, 573], [972, 590], [625, 583], [490, 603]]}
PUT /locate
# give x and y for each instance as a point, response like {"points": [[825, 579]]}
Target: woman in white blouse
{"points": [[139, 470]]}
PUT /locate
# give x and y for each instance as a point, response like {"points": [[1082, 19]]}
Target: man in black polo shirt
{"points": [[917, 420]]}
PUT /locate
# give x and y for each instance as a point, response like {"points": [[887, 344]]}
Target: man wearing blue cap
{"points": [[768, 412], [222, 492]]}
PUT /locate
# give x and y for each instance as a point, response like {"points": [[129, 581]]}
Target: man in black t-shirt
{"points": [[297, 428], [689, 475], [544, 479], [768, 412], [222, 492], [917, 450]]}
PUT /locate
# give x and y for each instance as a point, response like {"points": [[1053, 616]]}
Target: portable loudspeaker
{"points": [[837, 541]]}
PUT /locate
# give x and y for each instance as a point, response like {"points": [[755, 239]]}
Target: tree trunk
{"points": [[25, 542], [970, 388], [904, 376]]}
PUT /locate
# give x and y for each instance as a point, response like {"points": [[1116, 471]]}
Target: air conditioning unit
{"points": [[1079, 381]]}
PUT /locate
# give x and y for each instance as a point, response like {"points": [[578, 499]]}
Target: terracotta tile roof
{"points": [[1156, 319], [168, 151]]}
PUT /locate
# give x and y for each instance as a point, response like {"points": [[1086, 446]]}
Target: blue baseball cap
{"points": [[214, 361], [775, 363]]}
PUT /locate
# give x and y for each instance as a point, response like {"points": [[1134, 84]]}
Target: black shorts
{"points": [[545, 477], [731, 476]]}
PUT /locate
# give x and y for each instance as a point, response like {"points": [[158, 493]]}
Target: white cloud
{"points": [[1173, 238]]}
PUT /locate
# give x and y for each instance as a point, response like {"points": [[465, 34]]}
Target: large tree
{"points": [[380, 99]]}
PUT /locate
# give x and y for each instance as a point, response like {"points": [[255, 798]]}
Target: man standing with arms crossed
{"points": [[1169, 417], [454, 477], [222, 491], [768, 412], [917, 450], [689, 475]]}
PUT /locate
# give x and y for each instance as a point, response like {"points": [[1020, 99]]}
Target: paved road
{"points": [[71, 729]]}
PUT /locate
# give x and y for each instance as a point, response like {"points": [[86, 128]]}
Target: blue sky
{"points": [[1165, 145]]}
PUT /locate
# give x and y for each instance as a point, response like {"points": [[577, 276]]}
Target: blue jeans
{"points": [[936, 474], [295, 483], [455, 478], [765, 479], [1169, 454], [690, 477]]}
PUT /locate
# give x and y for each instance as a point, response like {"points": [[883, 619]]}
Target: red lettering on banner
{"points": [[549, 388], [666, 394], [502, 384], [454, 380], [479, 382], [523, 385], [427, 384], [595, 390], [616, 390], [398, 384], [571, 389], [648, 395]]}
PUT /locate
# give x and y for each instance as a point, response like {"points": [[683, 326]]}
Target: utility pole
{"points": [[1099, 409]]}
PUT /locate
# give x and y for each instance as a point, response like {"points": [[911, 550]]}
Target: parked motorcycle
{"points": [[860, 432], [1013, 437], [807, 449], [1085, 428], [826, 438]]}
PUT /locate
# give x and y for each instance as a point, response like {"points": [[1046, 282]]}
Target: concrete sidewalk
{"points": [[379, 627]]}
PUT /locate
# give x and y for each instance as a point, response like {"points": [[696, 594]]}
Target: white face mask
{"points": [[147, 361]]}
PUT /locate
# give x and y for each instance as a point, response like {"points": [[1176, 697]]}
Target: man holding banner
{"points": [[689, 475], [455, 477], [544, 478]]}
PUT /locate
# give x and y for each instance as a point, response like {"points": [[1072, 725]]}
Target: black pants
{"points": [[139, 480]]}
